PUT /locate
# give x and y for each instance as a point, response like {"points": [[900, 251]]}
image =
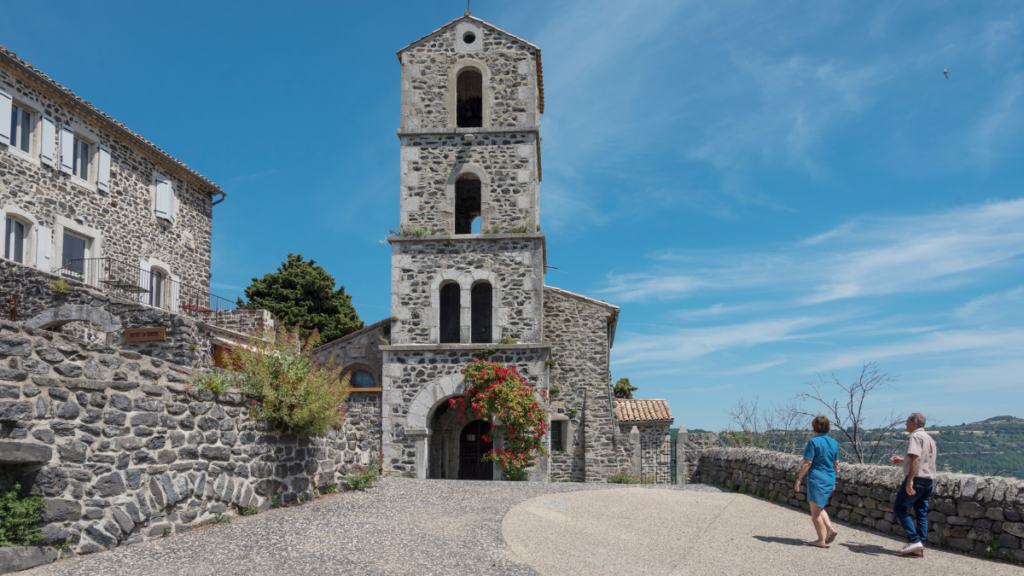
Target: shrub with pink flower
{"points": [[498, 393], [287, 386]]}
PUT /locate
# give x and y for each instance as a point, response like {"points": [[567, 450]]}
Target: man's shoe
{"points": [[913, 549]]}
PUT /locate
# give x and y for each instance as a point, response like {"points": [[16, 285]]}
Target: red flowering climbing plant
{"points": [[500, 395]]}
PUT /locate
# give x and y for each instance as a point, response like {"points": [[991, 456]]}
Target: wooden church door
{"points": [[472, 448]]}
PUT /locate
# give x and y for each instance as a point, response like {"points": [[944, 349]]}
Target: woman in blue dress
{"points": [[821, 465]]}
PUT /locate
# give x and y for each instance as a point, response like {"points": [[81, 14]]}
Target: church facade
{"points": [[468, 264]]}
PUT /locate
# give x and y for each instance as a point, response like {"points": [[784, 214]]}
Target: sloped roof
{"points": [[467, 16], [352, 335], [633, 410], [613, 316], [118, 126]]}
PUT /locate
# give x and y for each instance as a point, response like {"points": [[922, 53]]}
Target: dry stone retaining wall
{"points": [[967, 512], [126, 451]]}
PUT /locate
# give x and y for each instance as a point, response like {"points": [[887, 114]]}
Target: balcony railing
{"points": [[152, 287], [9, 306]]}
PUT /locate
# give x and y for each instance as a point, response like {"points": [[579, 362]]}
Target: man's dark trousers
{"points": [[919, 502]]}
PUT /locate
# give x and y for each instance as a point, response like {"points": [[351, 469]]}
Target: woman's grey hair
{"points": [[919, 418]]}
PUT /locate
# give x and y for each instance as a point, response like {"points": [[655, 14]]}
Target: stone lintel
{"points": [[462, 237], [456, 131], [462, 347]]}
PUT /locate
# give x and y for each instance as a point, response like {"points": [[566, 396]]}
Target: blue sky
{"points": [[767, 189]]}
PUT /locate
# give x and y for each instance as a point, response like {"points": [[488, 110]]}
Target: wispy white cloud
{"points": [[751, 369], [689, 343], [1001, 307], [866, 257], [945, 343]]}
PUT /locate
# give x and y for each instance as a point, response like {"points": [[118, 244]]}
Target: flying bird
{"points": [[946, 72]]}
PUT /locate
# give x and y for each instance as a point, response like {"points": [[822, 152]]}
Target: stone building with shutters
{"points": [[467, 274], [80, 192]]}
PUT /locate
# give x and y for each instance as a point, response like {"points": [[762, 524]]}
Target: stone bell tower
{"points": [[467, 264]]}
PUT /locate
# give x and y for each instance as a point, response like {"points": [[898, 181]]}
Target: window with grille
{"points": [[558, 435]]}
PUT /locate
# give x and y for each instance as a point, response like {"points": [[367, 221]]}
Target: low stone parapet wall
{"points": [[967, 512], [123, 449]]}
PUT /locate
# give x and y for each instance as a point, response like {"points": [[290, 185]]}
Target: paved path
{"points": [[446, 527], [690, 533]]}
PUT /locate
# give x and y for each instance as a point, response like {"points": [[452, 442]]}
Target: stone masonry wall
{"points": [[123, 216], [511, 96], [689, 447], [514, 265], [241, 321], [134, 453], [39, 306], [408, 372], [359, 350], [505, 163], [577, 328], [966, 512]]}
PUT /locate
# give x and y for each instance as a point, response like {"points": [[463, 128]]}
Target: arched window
{"points": [[467, 202], [450, 313], [481, 313], [362, 379], [470, 103]]}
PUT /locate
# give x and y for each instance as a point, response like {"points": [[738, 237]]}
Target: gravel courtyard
{"points": [[404, 526]]}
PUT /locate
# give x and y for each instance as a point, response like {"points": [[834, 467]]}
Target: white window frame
{"points": [[29, 241], [153, 198], [33, 134], [171, 283], [26, 236], [90, 170], [93, 246], [566, 432], [80, 133]]}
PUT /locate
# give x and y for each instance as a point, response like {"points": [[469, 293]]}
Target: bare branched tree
{"points": [[844, 405], [775, 428]]}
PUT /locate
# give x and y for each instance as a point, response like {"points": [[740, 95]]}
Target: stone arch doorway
{"points": [[473, 444], [80, 321]]}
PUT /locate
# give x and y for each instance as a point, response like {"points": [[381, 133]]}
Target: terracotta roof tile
{"points": [[631, 410], [117, 125]]}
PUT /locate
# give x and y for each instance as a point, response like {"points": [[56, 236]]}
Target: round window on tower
{"points": [[469, 37]]}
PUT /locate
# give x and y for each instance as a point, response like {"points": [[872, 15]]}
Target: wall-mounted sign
{"points": [[154, 334]]}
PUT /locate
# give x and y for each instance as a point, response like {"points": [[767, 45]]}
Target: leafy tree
{"points": [[302, 293], [623, 389]]}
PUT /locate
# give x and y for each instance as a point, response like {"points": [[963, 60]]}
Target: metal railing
{"points": [[152, 287], [9, 306]]}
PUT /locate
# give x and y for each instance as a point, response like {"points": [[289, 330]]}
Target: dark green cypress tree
{"points": [[623, 389], [302, 293]]}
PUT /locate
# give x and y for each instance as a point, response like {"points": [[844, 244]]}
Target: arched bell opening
{"points": [[470, 102]]}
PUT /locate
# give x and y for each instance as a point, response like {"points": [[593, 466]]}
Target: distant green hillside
{"points": [[990, 447], [985, 447]]}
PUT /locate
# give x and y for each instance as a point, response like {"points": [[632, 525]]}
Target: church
{"points": [[468, 265]]}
